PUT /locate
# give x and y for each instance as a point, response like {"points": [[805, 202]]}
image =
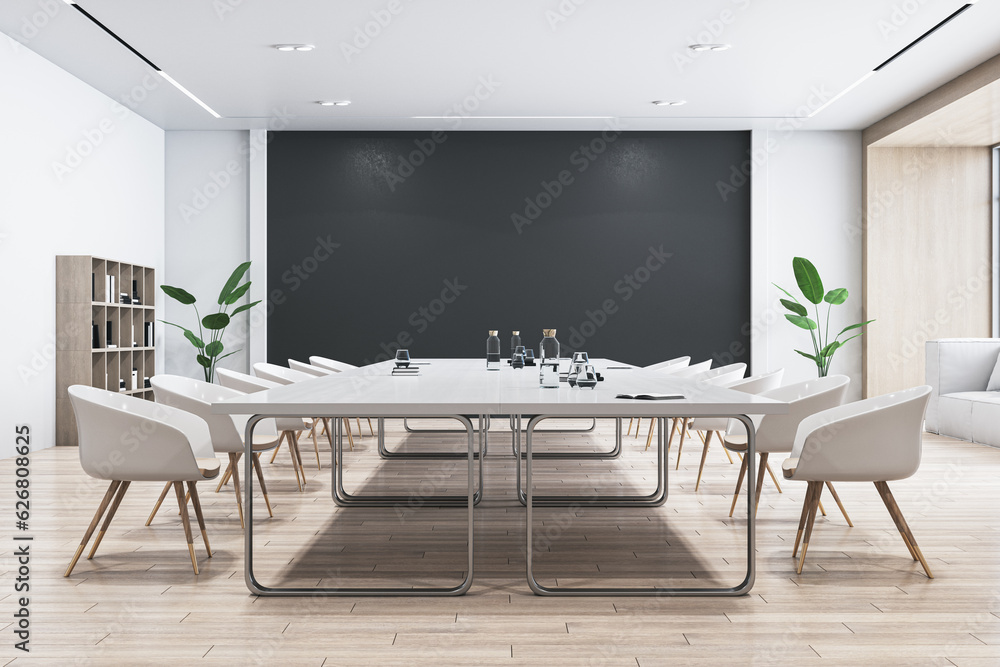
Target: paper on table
{"points": [[651, 397]]}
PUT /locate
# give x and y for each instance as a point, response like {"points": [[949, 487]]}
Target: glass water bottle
{"points": [[515, 342], [493, 352], [549, 347]]}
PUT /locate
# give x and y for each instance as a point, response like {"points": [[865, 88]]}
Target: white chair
{"points": [[332, 364], [700, 372], [302, 367], [197, 396], [716, 377], [674, 370], [707, 427], [676, 361], [287, 428], [874, 440], [283, 375], [776, 433], [124, 439]]}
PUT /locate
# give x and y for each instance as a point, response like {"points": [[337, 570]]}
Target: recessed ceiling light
{"points": [[710, 47], [338, 103], [294, 47], [669, 103]]}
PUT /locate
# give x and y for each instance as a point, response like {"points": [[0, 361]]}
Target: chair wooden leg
{"points": [[108, 517], [316, 445], [739, 485], [629, 431], [234, 459], [291, 451], [649, 438], [760, 480], [370, 428], [902, 526], [297, 454], [263, 486], [724, 450], [112, 489], [196, 502], [773, 478], [833, 492], [704, 455], [156, 507], [224, 479], [810, 520], [274, 454], [179, 490], [350, 436], [806, 504], [680, 446], [357, 420], [638, 422]]}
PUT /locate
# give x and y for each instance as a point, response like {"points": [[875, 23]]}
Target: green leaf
{"points": [[796, 308], [238, 293], [177, 293], [808, 280], [233, 281], [836, 296], [807, 356], [246, 306], [800, 321], [854, 326], [226, 355], [204, 361], [830, 349], [214, 348], [215, 321], [197, 342], [847, 339], [790, 295]]}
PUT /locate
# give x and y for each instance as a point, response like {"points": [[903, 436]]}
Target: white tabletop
{"points": [[466, 387]]}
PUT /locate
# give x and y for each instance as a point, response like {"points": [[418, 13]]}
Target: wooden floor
{"points": [[860, 599]]}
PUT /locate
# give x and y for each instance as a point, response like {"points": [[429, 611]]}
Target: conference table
{"points": [[463, 390]]}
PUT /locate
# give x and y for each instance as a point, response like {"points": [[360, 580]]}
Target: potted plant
{"points": [[210, 352], [811, 287]]}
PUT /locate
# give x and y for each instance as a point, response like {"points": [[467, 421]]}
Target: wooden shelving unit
{"points": [[83, 300]]}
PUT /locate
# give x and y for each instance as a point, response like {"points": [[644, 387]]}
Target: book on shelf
{"points": [[651, 397], [147, 335], [110, 337]]}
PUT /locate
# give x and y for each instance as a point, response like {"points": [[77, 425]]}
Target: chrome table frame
{"points": [[260, 589], [663, 472]]}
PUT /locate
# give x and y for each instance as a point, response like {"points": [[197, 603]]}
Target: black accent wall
{"points": [[634, 245]]}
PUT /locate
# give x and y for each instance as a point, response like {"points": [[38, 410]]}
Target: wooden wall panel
{"points": [[927, 259]]}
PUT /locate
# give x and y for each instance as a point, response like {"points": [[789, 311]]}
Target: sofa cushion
{"points": [[975, 396], [986, 422], [994, 383], [955, 415]]}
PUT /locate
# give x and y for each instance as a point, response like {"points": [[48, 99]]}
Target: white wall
{"points": [[807, 202], [206, 237], [80, 174]]}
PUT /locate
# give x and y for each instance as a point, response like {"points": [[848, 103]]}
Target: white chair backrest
{"points": [[127, 438], [874, 440], [757, 384], [723, 375], [309, 369], [196, 397], [248, 384], [777, 432], [687, 371], [332, 364], [676, 361], [279, 374]]}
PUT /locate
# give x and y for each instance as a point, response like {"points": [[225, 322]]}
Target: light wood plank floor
{"points": [[860, 599]]}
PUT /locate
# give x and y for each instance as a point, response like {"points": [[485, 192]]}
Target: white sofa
{"points": [[959, 370]]}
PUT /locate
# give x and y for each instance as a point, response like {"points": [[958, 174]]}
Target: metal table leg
{"points": [[344, 499], [654, 499], [740, 589], [259, 589], [613, 454]]}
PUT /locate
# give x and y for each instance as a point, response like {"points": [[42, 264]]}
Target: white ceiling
{"points": [[606, 59]]}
